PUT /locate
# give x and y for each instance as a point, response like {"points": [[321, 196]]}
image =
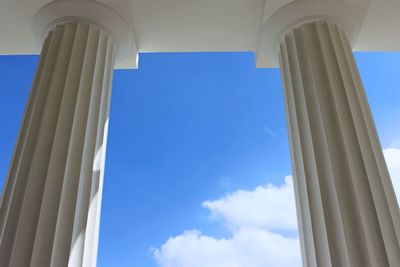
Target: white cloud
{"points": [[392, 157], [249, 247], [256, 218], [270, 207]]}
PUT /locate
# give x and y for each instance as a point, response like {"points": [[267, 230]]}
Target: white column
{"points": [[50, 211], [347, 209]]}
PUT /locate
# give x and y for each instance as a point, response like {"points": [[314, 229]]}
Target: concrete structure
{"points": [[50, 209]]}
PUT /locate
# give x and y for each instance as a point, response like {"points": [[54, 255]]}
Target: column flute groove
{"points": [[55, 155], [348, 213]]}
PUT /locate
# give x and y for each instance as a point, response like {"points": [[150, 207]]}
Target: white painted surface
{"points": [[196, 25], [50, 212], [92, 12], [348, 14], [347, 209]]}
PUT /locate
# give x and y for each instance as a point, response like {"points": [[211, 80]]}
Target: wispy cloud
{"points": [[270, 132], [225, 182]]}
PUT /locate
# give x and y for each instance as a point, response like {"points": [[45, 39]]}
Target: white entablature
{"points": [[202, 25]]}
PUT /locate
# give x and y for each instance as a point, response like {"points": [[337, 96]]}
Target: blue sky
{"points": [[193, 139]]}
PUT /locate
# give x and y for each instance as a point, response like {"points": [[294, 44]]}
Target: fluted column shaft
{"points": [[347, 210], [50, 211]]}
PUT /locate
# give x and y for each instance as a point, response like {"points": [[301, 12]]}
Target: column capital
{"points": [[97, 14], [281, 18]]}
